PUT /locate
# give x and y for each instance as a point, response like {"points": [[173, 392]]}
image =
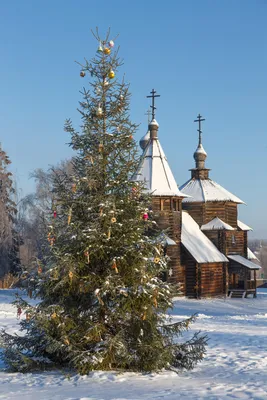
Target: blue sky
{"points": [[207, 57]]}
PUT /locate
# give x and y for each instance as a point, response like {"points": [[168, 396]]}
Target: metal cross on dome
{"points": [[153, 95], [148, 113], [199, 120]]}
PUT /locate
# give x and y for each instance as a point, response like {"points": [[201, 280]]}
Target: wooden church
{"points": [[205, 241]]}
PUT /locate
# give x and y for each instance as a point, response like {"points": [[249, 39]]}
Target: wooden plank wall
{"points": [[212, 280], [196, 211], [167, 214], [203, 213], [237, 247], [231, 214], [213, 237], [190, 273]]}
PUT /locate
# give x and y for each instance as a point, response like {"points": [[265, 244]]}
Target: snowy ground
{"points": [[235, 366]]}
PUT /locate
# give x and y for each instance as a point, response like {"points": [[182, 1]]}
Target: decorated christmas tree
{"points": [[102, 302]]}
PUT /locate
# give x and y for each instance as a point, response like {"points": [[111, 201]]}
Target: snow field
{"points": [[235, 366]]}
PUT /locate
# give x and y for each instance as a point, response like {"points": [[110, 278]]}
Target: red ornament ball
{"points": [[145, 216]]}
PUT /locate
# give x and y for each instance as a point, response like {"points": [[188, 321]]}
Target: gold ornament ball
{"points": [[99, 112], [107, 51], [111, 75], [82, 74]]}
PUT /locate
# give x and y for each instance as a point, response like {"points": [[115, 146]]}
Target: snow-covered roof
{"points": [[197, 243], [204, 190], [243, 226], [251, 255], [154, 169], [243, 261], [166, 240], [216, 224]]}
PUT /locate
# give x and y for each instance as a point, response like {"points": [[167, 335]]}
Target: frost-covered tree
{"points": [[103, 304], [9, 239]]}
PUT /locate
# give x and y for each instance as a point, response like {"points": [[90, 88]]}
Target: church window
{"points": [[233, 240]]}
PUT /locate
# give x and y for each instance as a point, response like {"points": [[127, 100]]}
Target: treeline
{"points": [[24, 222], [259, 247]]}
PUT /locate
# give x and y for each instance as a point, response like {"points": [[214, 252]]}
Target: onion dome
{"points": [[200, 156], [144, 140]]}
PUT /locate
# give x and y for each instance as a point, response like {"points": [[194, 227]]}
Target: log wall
{"points": [[203, 213], [235, 243], [212, 280], [167, 214], [196, 210], [190, 274]]}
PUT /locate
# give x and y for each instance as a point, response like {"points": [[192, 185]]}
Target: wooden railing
{"points": [[251, 284]]}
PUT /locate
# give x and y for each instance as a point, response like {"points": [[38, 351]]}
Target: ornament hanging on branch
{"points": [[155, 302], [54, 315], [100, 48], [99, 111], [113, 220], [82, 74], [145, 216], [71, 275], [86, 253], [39, 270], [55, 213], [51, 238], [111, 43], [74, 188], [114, 266], [66, 341], [106, 51], [111, 74], [98, 297], [100, 147], [69, 215], [106, 82]]}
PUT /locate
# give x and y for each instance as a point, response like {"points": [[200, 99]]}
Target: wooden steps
{"points": [[237, 294]]}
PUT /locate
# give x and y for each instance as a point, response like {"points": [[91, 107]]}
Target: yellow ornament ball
{"points": [[111, 75], [107, 50]]}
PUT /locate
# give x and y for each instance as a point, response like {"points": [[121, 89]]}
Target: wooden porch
{"points": [[242, 282]]}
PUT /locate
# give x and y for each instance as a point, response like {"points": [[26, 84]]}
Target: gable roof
{"points": [[197, 243], [204, 190], [243, 226], [243, 261], [216, 224]]}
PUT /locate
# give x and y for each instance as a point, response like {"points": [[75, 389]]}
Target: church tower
{"points": [[155, 172], [215, 211], [208, 199]]}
